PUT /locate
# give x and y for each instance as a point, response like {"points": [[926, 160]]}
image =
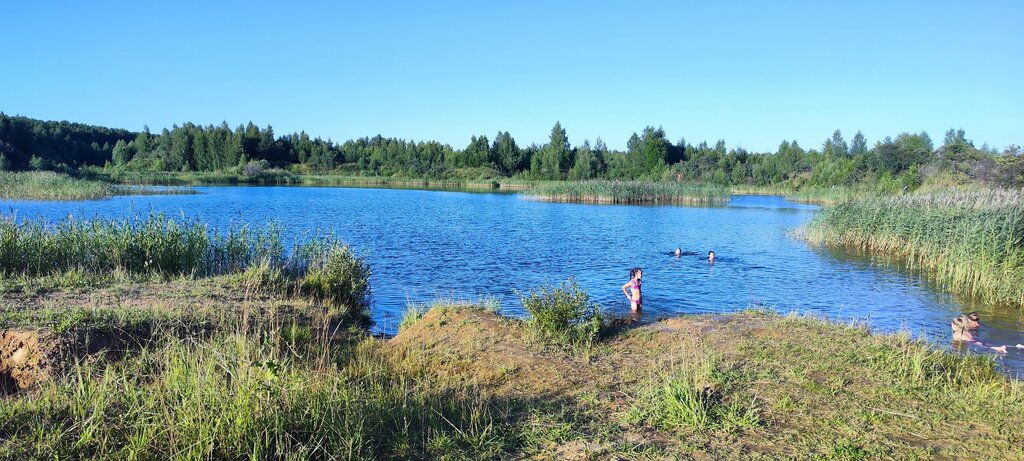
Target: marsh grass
{"points": [[972, 242], [630, 192], [48, 185], [87, 252]]}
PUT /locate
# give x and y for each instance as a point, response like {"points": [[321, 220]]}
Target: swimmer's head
{"points": [[678, 252], [711, 256], [971, 320]]}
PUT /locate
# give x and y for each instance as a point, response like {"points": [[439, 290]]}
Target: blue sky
{"points": [[750, 73]]}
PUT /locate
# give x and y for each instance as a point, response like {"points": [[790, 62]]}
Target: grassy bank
{"points": [[630, 192], [47, 185], [461, 382], [89, 252], [972, 242]]}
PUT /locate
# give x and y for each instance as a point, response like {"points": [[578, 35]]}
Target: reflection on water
{"points": [[422, 245]]}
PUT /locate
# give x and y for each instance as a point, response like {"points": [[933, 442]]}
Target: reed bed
{"points": [[320, 268], [48, 185], [631, 192], [972, 242]]}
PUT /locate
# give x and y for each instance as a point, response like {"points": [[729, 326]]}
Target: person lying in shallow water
{"points": [[962, 334], [972, 320]]}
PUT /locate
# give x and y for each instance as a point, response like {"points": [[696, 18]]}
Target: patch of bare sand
{"points": [[26, 358]]}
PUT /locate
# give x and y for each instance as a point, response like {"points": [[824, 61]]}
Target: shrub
{"points": [[337, 276], [563, 314]]}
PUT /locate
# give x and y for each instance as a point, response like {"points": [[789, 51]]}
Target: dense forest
{"points": [[904, 161]]}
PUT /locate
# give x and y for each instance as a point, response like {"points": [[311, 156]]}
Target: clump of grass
{"points": [[337, 276], [48, 185], [690, 398], [631, 192], [563, 314], [972, 242]]}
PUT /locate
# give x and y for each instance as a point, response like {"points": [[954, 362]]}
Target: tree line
{"points": [[905, 160]]}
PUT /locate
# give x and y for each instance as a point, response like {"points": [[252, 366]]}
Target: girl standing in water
{"points": [[635, 298]]}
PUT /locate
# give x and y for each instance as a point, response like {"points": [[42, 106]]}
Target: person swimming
{"points": [[711, 256], [972, 320], [962, 334], [678, 252], [633, 295]]}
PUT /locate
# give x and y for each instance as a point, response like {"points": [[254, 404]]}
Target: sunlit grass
{"points": [[972, 242], [631, 192], [48, 185]]}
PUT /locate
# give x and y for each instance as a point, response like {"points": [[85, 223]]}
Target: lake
{"points": [[424, 245]]}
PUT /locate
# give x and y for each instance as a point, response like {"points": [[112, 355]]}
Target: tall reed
{"points": [[631, 192], [320, 268], [972, 242], [47, 185]]}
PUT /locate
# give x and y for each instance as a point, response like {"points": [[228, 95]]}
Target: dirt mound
{"points": [[26, 358], [492, 351]]}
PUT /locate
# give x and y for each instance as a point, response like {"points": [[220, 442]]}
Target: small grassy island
{"points": [[48, 185], [630, 192]]}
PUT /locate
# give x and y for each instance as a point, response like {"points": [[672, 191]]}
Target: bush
{"points": [[340, 278], [563, 314]]}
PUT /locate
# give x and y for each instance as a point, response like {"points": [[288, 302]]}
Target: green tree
{"points": [[122, 154], [555, 158], [859, 145], [506, 155]]}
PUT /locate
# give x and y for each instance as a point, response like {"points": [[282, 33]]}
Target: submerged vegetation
{"points": [[971, 241], [631, 192], [48, 185]]}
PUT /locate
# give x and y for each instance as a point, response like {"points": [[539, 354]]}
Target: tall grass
{"points": [[691, 397], [321, 268], [47, 185], [972, 242], [255, 396], [631, 192]]}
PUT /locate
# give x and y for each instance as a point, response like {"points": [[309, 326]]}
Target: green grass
{"points": [[971, 242], [47, 185], [631, 192], [87, 252], [250, 396]]}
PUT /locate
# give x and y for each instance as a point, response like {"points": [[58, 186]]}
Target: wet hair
{"points": [[633, 271], [711, 252], [973, 315]]}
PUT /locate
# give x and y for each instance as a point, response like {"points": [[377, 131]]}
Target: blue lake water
{"points": [[423, 245]]}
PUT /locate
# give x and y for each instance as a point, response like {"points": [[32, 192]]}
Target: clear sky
{"points": [[751, 73]]}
